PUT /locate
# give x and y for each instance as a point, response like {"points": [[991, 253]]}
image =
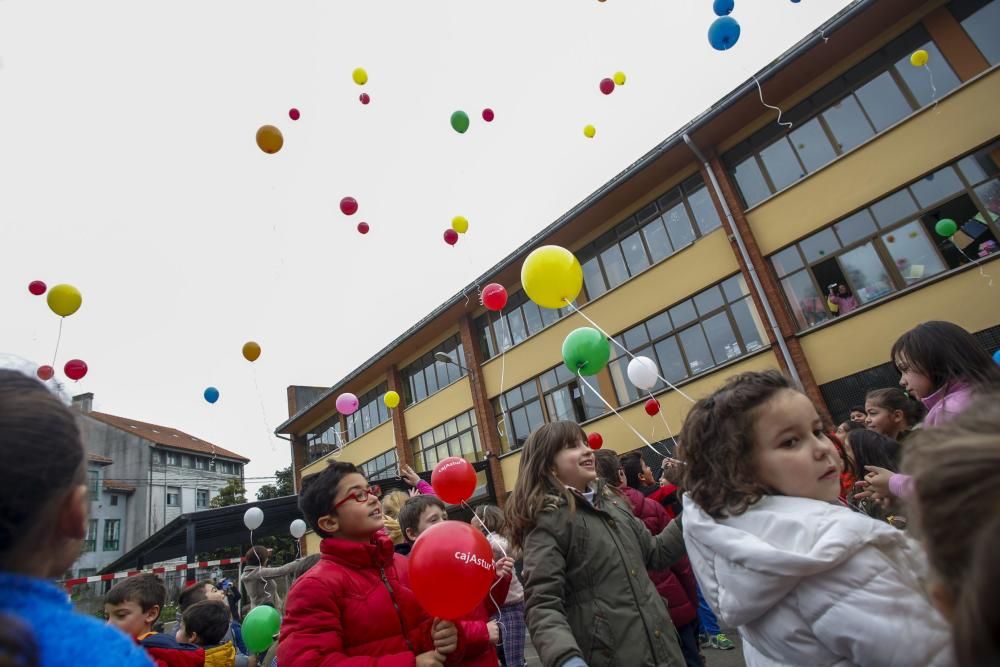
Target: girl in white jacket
{"points": [[806, 580]]}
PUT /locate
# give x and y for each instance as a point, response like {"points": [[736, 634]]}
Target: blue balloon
{"points": [[996, 356], [723, 33], [211, 394], [723, 7]]}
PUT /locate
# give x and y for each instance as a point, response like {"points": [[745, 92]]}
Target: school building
{"points": [[713, 254]]}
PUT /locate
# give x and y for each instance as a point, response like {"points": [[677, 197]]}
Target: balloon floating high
{"points": [[293, 113], [551, 276], [595, 441], [642, 373], [251, 351], [945, 227], [460, 224], [589, 131], [488, 115], [391, 399], [64, 300], [363, 227], [365, 98], [75, 369], [451, 569], [607, 86], [348, 206], [454, 480], [347, 404], [619, 78], [652, 407], [723, 33], [211, 394], [460, 121], [586, 351], [494, 297], [252, 519], [360, 76], [45, 373], [259, 628], [269, 139], [297, 528], [37, 287], [723, 7], [919, 58], [450, 236]]}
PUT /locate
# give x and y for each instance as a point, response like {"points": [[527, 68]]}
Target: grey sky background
{"points": [[128, 168]]}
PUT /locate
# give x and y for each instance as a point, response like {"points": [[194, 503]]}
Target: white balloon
{"points": [[253, 517], [642, 373], [298, 528]]}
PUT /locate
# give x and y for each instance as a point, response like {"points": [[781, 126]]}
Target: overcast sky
{"points": [[128, 168]]}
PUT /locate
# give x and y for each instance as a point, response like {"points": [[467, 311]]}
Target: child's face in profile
{"points": [[884, 421], [130, 618], [213, 593], [792, 454], [912, 380]]}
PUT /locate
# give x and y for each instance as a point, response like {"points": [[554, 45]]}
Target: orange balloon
{"points": [[251, 351], [269, 139]]}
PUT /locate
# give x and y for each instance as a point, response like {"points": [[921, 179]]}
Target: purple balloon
{"points": [[347, 404]]}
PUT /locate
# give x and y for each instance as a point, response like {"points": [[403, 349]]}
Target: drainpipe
{"points": [[754, 278]]}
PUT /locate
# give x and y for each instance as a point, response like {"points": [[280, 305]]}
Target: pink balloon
{"points": [[347, 404], [488, 115], [363, 227], [450, 236], [348, 205], [293, 113]]}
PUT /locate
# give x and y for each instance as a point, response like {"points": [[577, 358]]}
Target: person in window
{"points": [[840, 299]]}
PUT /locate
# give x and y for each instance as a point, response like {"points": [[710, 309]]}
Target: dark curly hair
{"points": [[718, 444]]}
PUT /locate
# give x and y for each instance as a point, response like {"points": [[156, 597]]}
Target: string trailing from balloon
{"points": [[610, 407], [503, 371], [663, 416], [977, 262], [263, 410], [496, 583], [930, 76], [760, 93], [58, 340]]}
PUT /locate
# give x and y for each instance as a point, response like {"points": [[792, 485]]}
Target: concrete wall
{"points": [[101, 510]]}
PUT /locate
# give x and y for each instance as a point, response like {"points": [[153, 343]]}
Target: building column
{"points": [[404, 453], [300, 459], [485, 419], [771, 289], [960, 51]]}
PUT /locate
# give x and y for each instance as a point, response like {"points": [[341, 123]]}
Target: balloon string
{"points": [[263, 410], [499, 545], [663, 416], [58, 340], [632, 428], [977, 262], [503, 371], [623, 349], [930, 75], [760, 93]]}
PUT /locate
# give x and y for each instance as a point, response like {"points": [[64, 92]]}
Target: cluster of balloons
{"points": [[63, 300], [360, 77], [552, 276], [450, 236], [459, 225], [725, 30], [460, 120], [607, 84]]}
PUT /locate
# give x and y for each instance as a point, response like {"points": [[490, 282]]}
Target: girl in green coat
{"points": [[589, 600]]}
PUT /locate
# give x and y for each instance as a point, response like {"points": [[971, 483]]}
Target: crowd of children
{"points": [[767, 521]]}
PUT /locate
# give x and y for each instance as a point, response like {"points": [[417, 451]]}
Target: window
{"points": [[455, 437], [371, 413], [158, 457], [892, 244], [711, 328], [114, 499], [173, 496], [94, 484], [426, 376], [523, 407], [324, 439], [383, 466], [202, 498], [200, 463], [566, 398], [520, 319], [90, 543], [226, 468], [173, 459], [866, 100], [981, 20], [86, 571], [112, 534]]}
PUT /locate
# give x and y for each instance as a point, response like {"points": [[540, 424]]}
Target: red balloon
{"points": [[37, 287], [652, 407], [293, 113], [75, 369], [451, 569], [607, 86], [494, 297], [450, 236], [364, 98], [45, 373], [488, 115], [454, 480], [363, 227], [348, 205], [595, 440]]}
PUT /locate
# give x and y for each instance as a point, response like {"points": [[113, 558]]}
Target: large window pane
{"points": [[883, 101], [937, 186], [787, 260], [670, 361], [913, 253], [696, 349], [614, 266], [708, 300], [983, 27], [989, 195], [532, 317], [657, 240], [812, 145], [516, 323], [679, 226], [431, 375], [682, 313], [926, 86], [848, 124], [658, 326], [749, 324], [819, 245], [808, 305], [593, 279], [866, 274], [635, 253], [624, 389], [781, 164], [735, 288], [705, 213], [855, 227], [721, 338], [894, 208], [751, 181], [635, 337]]}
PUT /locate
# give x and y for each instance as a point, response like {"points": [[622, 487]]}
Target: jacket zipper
{"points": [[399, 612]]}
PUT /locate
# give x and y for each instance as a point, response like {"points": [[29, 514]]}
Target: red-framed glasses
{"points": [[361, 495]]}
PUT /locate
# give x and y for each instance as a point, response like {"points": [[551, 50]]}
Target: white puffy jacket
{"points": [[812, 583]]}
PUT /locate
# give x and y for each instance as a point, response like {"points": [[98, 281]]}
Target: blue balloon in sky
{"points": [[723, 33], [723, 7], [211, 394]]}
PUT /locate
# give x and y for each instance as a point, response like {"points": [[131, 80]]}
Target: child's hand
{"points": [[430, 659], [494, 631], [878, 480], [445, 636], [504, 566], [410, 477]]}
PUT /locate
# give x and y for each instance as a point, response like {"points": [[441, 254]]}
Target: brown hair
{"points": [[192, 594], [319, 490], [256, 556], [956, 475], [894, 398], [608, 465], [413, 509], [146, 590], [537, 488], [209, 619], [718, 443]]}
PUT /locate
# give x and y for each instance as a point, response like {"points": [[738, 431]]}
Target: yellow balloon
{"points": [[251, 351], [619, 78], [589, 131], [269, 139], [919, 58], [391, 399], [551, 276], [360, 76], [64, 300], [460, 224]]}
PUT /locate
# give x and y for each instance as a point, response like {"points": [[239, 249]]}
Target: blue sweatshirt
{"points": [[63, 636]]}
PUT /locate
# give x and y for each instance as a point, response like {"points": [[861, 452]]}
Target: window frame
{"points": [[369, 403], [112, 543], [169, 493], [373, 469], [418, 369], [90, 542], [420, 449], [202, 493]]}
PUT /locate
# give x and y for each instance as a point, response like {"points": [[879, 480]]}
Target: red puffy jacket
{"points": [[354, 609], [677, 584]]}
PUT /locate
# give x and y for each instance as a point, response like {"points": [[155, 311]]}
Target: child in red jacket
{"points": [[353, 607]]}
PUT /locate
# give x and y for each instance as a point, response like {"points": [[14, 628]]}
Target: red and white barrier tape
{"points": [[70, 583]]}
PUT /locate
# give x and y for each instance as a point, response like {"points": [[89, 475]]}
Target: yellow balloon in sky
{"points": [[269, 139], [360, 76], [64, 300], [589, 131], [919, 58], [391, 399], [251, 351], [551, 276], [460, 224], [619, 78]]}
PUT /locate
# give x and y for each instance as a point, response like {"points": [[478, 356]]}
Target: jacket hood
{"points": [[748, 563]]}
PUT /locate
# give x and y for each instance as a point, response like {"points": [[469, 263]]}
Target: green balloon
{"points": [[460, 121], [946, 227], [586, 351], [259, 628]]}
